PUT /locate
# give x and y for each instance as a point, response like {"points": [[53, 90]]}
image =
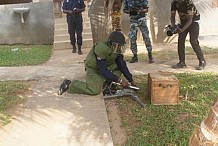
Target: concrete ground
{"points": [[69, 120]]}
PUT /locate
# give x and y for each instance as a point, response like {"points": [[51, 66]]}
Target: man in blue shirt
{"points": [[74, 9]]}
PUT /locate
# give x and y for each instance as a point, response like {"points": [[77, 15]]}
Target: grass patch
{"points": [[169, 125], [24, 55], [170, 54], [10, 94]]}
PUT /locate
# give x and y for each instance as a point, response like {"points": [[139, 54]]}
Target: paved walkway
{"points": [[68, 120], [50, 120]]}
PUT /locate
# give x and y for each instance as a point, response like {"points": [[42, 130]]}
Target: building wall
{"points": [[3, 2], [38, 26]]}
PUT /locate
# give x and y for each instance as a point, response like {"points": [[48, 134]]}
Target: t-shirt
{"points": [[71, 4], [185, 9]]}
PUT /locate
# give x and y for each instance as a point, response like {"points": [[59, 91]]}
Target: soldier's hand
{"points": [[124, 83]]}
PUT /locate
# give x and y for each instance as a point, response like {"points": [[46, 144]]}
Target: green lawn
{"points": [[11, 92], [161, 125], [24, 55]]}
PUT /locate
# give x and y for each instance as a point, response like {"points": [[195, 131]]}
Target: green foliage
{"points": [[24, 55], [10, 95], [168, 125]]}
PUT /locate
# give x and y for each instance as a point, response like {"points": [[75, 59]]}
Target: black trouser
{"points": [[193, 31], [75, 25]]}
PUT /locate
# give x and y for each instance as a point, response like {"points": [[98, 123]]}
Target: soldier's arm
{"points": [[123, 68], [102, 66], [67, 11]]}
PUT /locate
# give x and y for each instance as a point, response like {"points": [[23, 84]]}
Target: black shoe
{"points": [[64, 87], [74, 49], [179, 65], [80, 51], [150, 57], [201, 65], [134, 59]]}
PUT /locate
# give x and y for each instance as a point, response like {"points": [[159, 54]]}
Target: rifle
{"points": [[130, 91]]}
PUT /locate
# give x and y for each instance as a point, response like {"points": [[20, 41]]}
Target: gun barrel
{"points": [[131, 87]]}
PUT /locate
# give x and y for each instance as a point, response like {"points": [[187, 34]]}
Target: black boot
{"points": [[74, 49], [202, 65], [150, 57], [134, 59], [179, 65], [80, 51], [64, 87]]}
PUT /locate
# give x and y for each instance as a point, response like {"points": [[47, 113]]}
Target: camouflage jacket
{"points": [[134, 6]]}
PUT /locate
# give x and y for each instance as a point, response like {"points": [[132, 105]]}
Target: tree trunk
{"points": [[163, 18], [100, 19], [207, 133]]}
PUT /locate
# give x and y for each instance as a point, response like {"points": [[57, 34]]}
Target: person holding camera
{"points": [[137, 10], [104, 64], [189, 19]]}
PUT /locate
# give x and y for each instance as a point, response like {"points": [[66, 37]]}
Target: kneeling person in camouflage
{"points": [[103, 63]]}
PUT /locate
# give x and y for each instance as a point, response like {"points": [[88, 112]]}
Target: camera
{"points": [[171, 30]]}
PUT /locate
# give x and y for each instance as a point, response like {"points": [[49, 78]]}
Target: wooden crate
{"points": [[163, 88]]}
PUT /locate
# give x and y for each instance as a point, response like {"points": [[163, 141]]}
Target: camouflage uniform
{"points": [[138, 20], [94, 79]]}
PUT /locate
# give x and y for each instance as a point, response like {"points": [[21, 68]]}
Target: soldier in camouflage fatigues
{"points": [[137, 10]]}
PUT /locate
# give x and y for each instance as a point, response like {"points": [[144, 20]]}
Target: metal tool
{"points": [[125, 92]]}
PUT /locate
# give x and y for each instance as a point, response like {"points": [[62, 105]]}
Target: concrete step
{"points": [[66, 37], [65, 31], [58, 45], [63, 19], [65, 26]]}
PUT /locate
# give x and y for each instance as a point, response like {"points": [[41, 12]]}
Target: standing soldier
{"points": [[137, 10]]}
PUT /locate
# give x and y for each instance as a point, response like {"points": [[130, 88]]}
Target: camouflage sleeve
{"points": [[173, 6], [102, 51], [190, 7]]}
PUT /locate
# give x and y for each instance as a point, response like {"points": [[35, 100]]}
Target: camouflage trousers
{"points": [[93, 84], [140, 23]]}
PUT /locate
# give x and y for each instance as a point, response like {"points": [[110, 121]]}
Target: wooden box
{"points": [[163, 88]]}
